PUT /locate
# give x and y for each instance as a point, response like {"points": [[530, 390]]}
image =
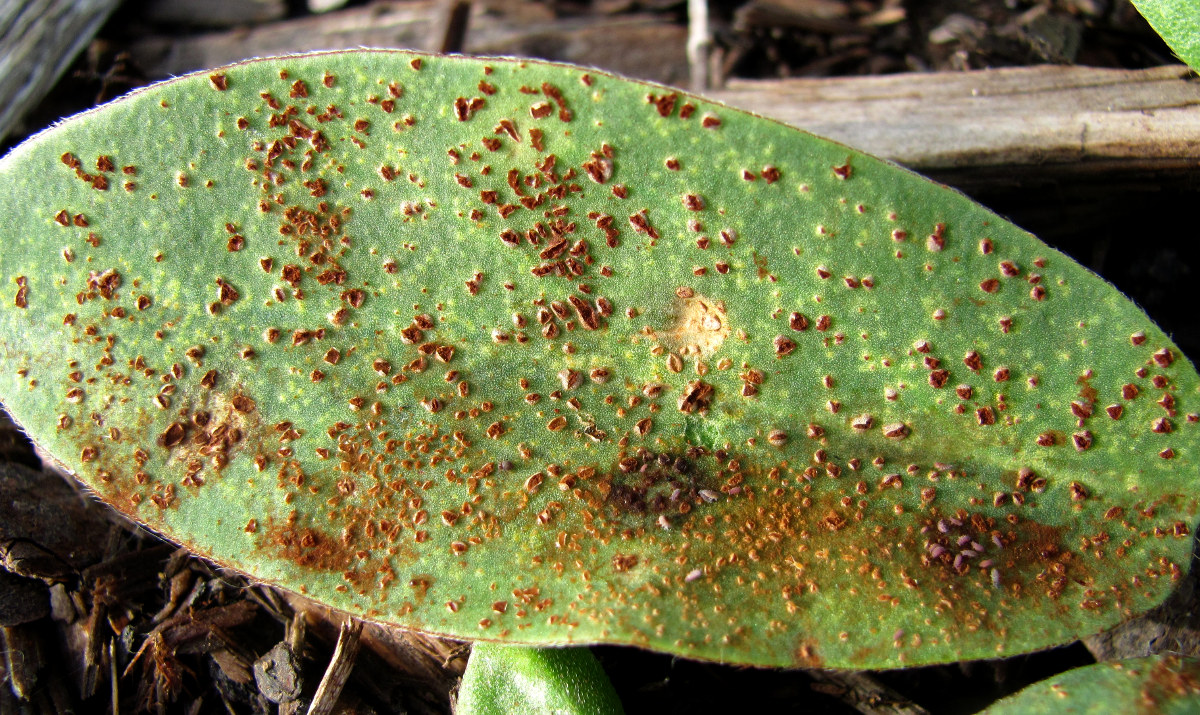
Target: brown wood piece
{"points": [[643, 46], [450, 20], [212, 13], [338, 672], [1070, 120], [23, 659], [38, 40], [864, 693]]}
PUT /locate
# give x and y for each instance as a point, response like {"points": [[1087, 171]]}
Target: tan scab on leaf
{"points": [[696, 324]]}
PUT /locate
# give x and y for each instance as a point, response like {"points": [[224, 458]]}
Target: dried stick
{"points": [[38, 40], [339, 668]]}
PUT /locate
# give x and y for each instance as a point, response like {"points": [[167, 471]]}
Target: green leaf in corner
{"points": [[1178, 23], [1162, 684], [503, 679], [528, 353]]}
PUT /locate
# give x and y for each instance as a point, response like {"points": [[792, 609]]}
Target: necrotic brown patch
{"points": [[305, 547]]}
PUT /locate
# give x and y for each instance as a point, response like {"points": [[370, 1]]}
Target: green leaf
{"points": [[1166, 684], [520, 352], [502, 679], [1178, 23]]}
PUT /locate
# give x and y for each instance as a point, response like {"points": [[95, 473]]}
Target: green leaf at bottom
{"points": [[504, 679], [1161, 684]]}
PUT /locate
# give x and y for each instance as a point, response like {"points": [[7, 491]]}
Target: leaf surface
{"points": [[1162, 684], [1178, 23], [503, 679], [522, 352]]}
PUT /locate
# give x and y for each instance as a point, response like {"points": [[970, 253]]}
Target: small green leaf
{"points": [[503, 679], [1178, 23], [521, 352], [1164, 684]]}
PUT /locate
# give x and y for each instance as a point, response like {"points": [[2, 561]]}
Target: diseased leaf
{"points": [[528, 353], [1178, 23], [503, 679], [1165, 684]]}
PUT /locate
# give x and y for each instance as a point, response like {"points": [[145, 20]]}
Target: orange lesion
{"points": [[805, 655], [697, 325]]}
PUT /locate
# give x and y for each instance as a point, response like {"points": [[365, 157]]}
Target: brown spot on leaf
{"points": [[696, 397], [585, 311], [22, 298], [242, 404], [665, 104], [173, 435], [227, 293], [1082, 440]]}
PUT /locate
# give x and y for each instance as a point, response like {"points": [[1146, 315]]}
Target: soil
{"points": [[97, 611]]}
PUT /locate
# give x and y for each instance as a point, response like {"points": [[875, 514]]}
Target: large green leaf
{"points": [[523, 352], [1163, 684]]}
